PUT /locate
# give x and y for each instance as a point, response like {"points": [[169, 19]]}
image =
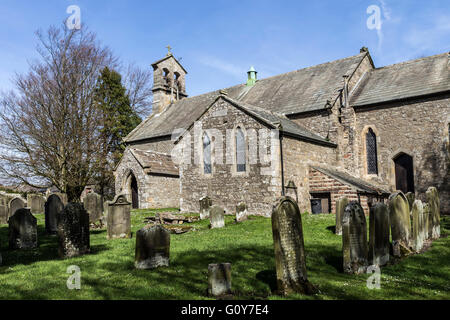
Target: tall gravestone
{"points": [[241, 212], [400, 221], [93, 205], [426, 218], [15, 204], [36, 203], [411, 197], [73, 231], [152, 247], [22, 230], [418, 232], [4, 214], [118, 220], [53, 207], [216, 217], [354, 239], [205, 206], [289, 248], [379, 235], [434, 205], [340, 207]]}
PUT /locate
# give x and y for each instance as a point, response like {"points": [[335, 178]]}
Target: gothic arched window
{"points": [[240, 151], [371, 152], [206, 154]]}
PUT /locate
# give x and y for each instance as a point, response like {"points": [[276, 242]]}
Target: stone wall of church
{"points": [[155, 191], [226, 188], [419, 128], [298, 156]]}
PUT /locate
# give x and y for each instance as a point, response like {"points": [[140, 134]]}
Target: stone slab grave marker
{"points": [[340, 208], [152, 247], [400, 223], [219, 279], [418, 232], [435, 215], [379, 235], [118, 220], [4, 214], [53, 206], [426, 220], [73, 231], [354, 239], [241, 212], [36, 203], [289, 248], [15, 204], [411, 197], [22, 230], [216, 217], [93, 204], [205, 206]]}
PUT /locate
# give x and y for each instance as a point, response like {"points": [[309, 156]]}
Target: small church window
{"points": [[240, 150], [206, 154], [371, 152]]}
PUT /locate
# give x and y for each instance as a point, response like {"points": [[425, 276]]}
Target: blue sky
{"points": [[219, 40]]}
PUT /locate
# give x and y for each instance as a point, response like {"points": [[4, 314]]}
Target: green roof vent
{"points": [[251, 76]]}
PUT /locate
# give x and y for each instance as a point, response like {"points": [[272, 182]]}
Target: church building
{"points": [[342, 128]]}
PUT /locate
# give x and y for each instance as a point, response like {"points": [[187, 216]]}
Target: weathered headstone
{"points": [[118, 220], [219, 279], [216, 217], [418, 234], [22, 230], [400, 221], [205, 206], [73, 231], [53, 206], [15, 204], [411, 197], [426, 218], [241, 212], [93, 205], [354, 239], [289, 248], [152, 247], [434, 205], [340, 207], [36, 203], [4, 214], [379, 234]]}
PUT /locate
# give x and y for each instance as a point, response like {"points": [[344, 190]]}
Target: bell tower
{"points": [[168, 82]]}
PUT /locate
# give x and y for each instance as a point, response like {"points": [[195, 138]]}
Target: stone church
{"points": [[342, 128]]}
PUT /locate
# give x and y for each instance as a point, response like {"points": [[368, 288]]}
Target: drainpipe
{"points": [[279, 128]]}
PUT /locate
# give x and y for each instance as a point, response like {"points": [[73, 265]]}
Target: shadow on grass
{"points": [[332, 229]]}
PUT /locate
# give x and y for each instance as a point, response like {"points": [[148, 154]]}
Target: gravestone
{"points": [[36, 203], [340, 207], [205, 206], [216, 217], [289, 248], [426, 218], [434, 205], [219, 279], [379, 235], [152, 247], [73, 231], [400, 223], [22, 230], [53, 206], [241, 212], [418, 232], [93, 205], [15, 204], [411, 197], [4, 214], [354, 239], [118, 220]]}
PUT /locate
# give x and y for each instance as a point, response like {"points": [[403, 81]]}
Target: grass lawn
{"points": [[108, 272]]}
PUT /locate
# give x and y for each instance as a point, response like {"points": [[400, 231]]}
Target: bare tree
{"points": [[49, 128], [138, 82]]}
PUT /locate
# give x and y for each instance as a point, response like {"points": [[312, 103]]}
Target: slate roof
{"points": [[404, 80], [298, 91], [155, 162], [359, 184]]}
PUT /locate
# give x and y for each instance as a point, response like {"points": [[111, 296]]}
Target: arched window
{"points": [[371, 152], [206, 154], [240, 151]]}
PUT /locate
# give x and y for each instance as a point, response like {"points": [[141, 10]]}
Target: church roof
{"points": [[294, 92], [400, 81], [155, 162]]}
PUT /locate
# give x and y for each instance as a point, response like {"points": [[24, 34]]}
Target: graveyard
{"points": [[108, 271]]}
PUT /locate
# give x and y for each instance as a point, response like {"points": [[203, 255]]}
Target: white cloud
{"points": [[223, 66]]}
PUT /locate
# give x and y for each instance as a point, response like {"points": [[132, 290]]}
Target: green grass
{"points": [[108, 271]]}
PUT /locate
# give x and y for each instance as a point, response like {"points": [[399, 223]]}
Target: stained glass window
{"points": [[371, 152], [206, 154], [240, 150]]}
